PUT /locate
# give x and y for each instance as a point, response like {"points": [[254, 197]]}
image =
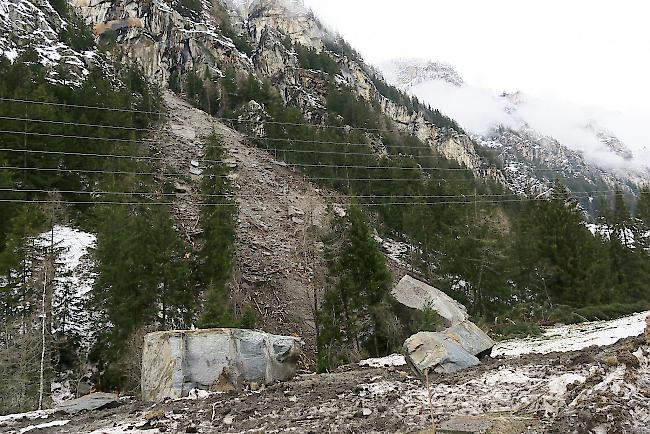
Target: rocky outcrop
{"points": [[161, 40], [290, 17], [221, 360], [647, 330]]}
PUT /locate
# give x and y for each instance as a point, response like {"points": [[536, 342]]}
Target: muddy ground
{"points": [[599, 390]]}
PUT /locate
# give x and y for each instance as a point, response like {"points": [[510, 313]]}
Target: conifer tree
{"points": [[218, 223], [351, 313], [556, 251]]}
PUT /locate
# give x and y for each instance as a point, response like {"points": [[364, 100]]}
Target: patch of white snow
{"points": [[384, 362], [575, 337], [44, 425]]}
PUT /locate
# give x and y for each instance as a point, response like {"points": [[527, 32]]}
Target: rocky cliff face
{"points": [[406, 73], [162, 40], [165, 43]]}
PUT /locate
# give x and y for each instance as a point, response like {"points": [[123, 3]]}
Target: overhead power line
{"points": [[465, 197], [360, 203], [217, 118]]}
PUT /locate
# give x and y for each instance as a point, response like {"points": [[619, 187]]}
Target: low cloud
{"points": [[480, 110]]}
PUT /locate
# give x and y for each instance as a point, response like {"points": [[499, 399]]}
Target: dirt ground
{"points": [[597, 390]]}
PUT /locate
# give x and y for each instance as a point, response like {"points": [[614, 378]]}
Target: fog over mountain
{"points": [[609, 139]]}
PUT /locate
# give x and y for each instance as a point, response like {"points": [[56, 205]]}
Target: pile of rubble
{"points": [[278, 255]]}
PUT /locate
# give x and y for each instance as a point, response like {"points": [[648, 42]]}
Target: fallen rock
{"points": [[647, 330], [436, 352], [474, 340], [175, 362], [94, 401], [448, 351], [417, 295]]}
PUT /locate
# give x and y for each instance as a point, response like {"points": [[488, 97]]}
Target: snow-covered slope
{"points": [[74, 277], [535, 140], [408, 73], [35, 24]]}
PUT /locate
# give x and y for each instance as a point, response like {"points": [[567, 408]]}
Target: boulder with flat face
{"points": [[448, 351], [220, 360], [414, 294], [474, 340], [432, 351]]}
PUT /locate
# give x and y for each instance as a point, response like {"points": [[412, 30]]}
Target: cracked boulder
{"points": [[448, 351], [175, 362]]}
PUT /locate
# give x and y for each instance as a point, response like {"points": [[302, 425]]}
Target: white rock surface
{"points": [[175, 362]]}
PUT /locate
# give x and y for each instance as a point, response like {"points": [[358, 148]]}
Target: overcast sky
{"points": [[589, 52]]}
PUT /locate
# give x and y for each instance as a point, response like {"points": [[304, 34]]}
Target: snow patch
{"points": [[575, 337], [558, 385], [32, 415], [11, 54], [44, 425], [74, 277], [198, 394], [509, 376], [383, 362]]}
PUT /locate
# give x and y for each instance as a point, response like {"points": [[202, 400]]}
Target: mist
{"points": [[480, 110]]}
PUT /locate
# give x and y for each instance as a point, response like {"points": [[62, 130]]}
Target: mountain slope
{"points": [[535, 141]]}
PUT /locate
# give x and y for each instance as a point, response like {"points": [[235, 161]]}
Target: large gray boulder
{"points": [[417, 295], [435, 352], [448, 351], [175, 362]]}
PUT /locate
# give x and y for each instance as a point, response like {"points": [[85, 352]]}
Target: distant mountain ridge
{"points": [[587, 155]]}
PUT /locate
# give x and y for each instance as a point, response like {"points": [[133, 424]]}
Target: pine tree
{"points": [[218, 223], [556, 252], [628, 259], [351, 314], [142, 279]]}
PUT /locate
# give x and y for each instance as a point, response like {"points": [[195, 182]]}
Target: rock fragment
{"points": [[94, 401], [436, 352]]}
